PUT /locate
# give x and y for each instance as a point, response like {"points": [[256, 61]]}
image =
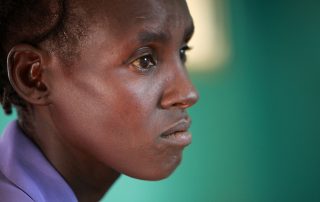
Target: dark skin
{"points": [[111, 110]]}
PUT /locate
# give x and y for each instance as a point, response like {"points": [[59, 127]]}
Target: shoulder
{"points": [[11, 193], [25, 179]]}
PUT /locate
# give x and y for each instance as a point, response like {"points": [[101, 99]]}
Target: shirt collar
{"points": [[23, 163]]}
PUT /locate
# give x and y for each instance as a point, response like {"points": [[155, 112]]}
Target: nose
{"points": [[179, 91]]}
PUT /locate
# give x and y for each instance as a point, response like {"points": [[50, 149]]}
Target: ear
{"points": [[26, 65]]}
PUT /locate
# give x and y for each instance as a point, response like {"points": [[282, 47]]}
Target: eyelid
{"points": [[186, 47], [139, 54], [187, 40], [144, 51]]}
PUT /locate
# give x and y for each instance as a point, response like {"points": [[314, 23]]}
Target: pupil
{"points": [[182, 55], [145, 62]]}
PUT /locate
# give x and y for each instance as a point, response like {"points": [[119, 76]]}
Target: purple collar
{"points": [[24, 165]]}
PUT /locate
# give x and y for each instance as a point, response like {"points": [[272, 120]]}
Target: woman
{"points": [[101, 90]]}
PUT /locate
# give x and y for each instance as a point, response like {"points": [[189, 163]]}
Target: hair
{"points": [[34, 22]]}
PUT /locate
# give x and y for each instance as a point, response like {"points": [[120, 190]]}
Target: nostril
{"points": [[179, 93], [181, 105], [187, 101]]}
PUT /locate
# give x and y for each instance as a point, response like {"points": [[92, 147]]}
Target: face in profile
{"points": [[123, 101]]}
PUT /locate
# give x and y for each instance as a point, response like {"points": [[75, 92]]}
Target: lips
{"points": [[178, 133]]}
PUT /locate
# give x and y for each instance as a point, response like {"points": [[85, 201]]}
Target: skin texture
{"points": [[105, 114]]}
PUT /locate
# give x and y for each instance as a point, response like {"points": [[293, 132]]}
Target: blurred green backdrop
{"points": [[257, 126]]}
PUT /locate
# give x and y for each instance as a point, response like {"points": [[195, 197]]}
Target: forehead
{"points": [[118, 16]]}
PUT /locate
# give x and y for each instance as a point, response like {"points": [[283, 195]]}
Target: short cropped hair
{"points": [[33, 22]]}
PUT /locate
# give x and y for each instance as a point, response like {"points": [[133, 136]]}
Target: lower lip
{"points": [[179, 138]]}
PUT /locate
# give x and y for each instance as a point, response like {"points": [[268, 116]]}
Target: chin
{"points": [[157, 173], [160, 176]]}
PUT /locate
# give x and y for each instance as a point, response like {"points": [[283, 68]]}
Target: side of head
{"points": [[29, 31], [122, 97]]}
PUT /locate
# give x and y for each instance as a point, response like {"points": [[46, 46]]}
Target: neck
{"points": [[87, 177], [89, 180]]}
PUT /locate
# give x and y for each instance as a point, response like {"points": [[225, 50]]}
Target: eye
{"points": [[144, 63], [183, 53]]}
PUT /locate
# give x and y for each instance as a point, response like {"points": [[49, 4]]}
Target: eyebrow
{"points": [[147, 36], [189, 32]]}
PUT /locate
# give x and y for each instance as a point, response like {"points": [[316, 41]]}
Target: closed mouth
{"points": [[181, 126], [178, 133]]}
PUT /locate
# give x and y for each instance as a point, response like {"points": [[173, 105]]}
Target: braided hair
{"points": [[33, 22]]}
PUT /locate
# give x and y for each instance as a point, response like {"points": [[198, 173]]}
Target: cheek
{"points": [[98, 112], [117, 124]]}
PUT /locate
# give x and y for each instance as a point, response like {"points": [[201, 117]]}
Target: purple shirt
{"points": [[25, 173]]}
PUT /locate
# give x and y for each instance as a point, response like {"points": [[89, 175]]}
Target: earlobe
{"points": [[25, 70]]}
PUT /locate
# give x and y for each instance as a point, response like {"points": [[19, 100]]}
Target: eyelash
{"points": [[182, 52], [144, 63], [148, 61]]}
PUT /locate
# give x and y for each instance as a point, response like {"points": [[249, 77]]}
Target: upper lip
{"points": [[181, 126]]}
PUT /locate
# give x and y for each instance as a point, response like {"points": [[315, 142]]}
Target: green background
{"points": [[256, 127]]}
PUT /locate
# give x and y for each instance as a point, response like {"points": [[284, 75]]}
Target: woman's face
{"points": [[124, 99]]}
